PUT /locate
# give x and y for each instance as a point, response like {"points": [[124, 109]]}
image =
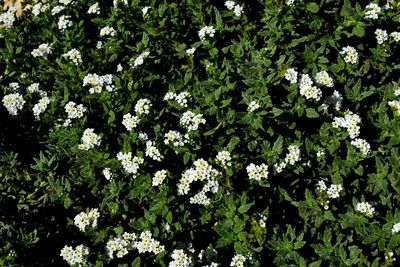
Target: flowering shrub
{"points": [[199, 133]]}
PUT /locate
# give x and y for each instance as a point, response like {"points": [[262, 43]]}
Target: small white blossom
{"points": [[74, 55], [83, 220], [42, 51], [142, 106], [75, 256], [366, 208], [350, 121], [89, 140], [395, 36], [238, 261], [307, 89], [238, 10], [180, 259], [206, 30], [98, 82], [140, 59], [64, 22], [145, 10], [224, 158], [107, 31], [291, 75], [230, 4], [159, 177], [130, 165], [253, 106], [152, 151], [190, 51], [362, 145], [372, 11], [107, 174], [175, 138], [257, 172], [324, 79], [57, 9], [13, 103], [350, 54], [191, 121], [94, 9], [130, 121], [381, 36], [396, 228], [41, 106]]}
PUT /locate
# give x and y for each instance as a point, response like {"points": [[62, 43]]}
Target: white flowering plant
{"points": [[199, 133]]}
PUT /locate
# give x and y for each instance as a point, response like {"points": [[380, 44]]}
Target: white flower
{"points": [[74, 111], [238, 261], [372, 11], [140, 59], [350, 54], [83, 220], [395, 104], [57, 9], [175, 138], [130, 121], [75, 256], [159, 177], [107, 31], [254, 105], [65, 2], [145, 10], [206, 30], [152, 151], [119, 68], [42, 51], [381, 36], [130, 165], [74, 55], [13, 103], [291, 75], [323, 78], [99, 45], [143, 106], [290, 2], [366, 208], [7, 18], [396, 228], [224, 158], [293, 156], [190, 51], [230, 4], [180, 259], [350, 121], [107, 173], [257, 172], [362, 145], [98, 82], [64, 22], [89, 140], [191, 121], [41, 106], [307, 89], [395, 36], [94, 9], [238, 10]]}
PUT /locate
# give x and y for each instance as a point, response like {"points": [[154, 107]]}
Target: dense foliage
{"points": [[199, 133]]}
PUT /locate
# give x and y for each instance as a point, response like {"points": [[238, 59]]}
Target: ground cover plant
{"points": [[199, 133]]}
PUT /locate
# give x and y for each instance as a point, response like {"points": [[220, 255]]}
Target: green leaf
{"points": [[312, 7], [136, 262], [311, 113]]}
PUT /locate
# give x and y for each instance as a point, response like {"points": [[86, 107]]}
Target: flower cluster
{"points": [[336, 99], [238, 261], [350, 121], [325, 193], [372, 11], [206, 30], [191, 121], [152, 151], [42, 51], [98, 82], [7, 18], [291, 157], [362, 145], [130, 121], [82, 220], [350, 54], [291, 75], [324, 79], [41, 106], [237, 9], [181, 98], [107, 173], [89, 140], [129, 241], [64, 22], [395, 104], [180, 259], [74, 111], [145, 10], [74, 55], [307, 89], [142, 106], [190, 51], [175, 138], [254, 105], [159, 177], [201, 171], [140, 59], [381, 36], [130, 165], [257, 172], [13, 103], [94, 9], [75, 256], [224, 159], [396, 228], [107, 31], [395, 36], [366, 208]]}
